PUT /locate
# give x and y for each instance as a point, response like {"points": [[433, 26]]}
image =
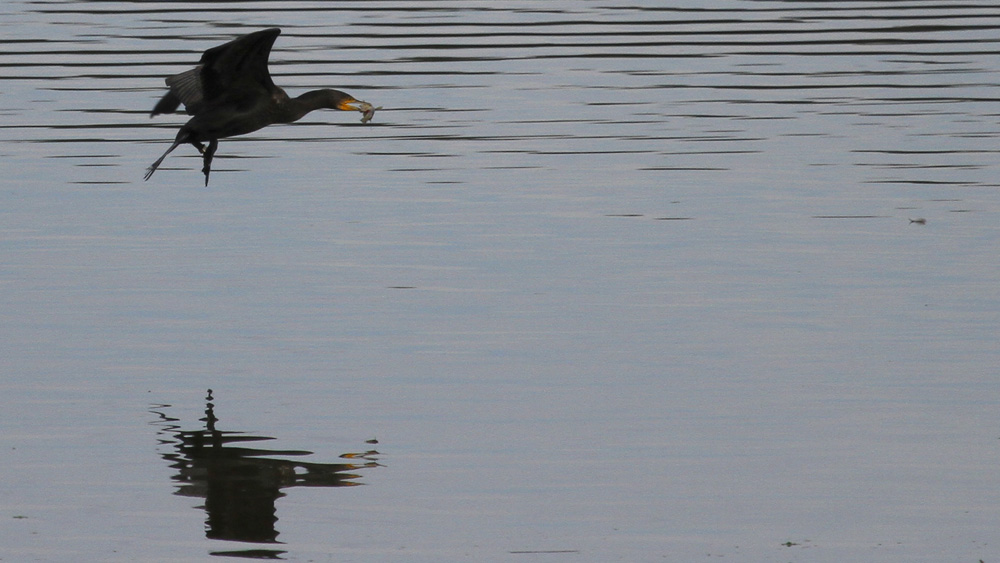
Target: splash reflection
{"points": [[240, 484]]}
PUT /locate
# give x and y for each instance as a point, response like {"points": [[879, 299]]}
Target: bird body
{"points": [[231, 93]]}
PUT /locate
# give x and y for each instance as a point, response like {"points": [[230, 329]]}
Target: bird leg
{"points": [[155, 165], [209, 153], [183, 136]]}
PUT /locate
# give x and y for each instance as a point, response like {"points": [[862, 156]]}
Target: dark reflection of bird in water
{"points": [[239, 484]]}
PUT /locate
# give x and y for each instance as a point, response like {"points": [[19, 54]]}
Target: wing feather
{"points": [[234, 72], [239, 64]]}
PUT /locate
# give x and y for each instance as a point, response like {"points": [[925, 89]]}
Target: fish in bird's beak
{"points": [[367, 110]]}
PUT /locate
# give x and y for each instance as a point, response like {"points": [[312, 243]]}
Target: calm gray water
{"points": [[603, 281]]}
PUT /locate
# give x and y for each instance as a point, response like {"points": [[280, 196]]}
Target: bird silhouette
{"points": [[231, 93]]}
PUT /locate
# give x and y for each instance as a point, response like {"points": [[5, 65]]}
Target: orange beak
{"points": [[349, 104]]}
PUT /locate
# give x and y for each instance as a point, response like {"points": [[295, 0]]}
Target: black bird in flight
{"points": [[231, 93]]}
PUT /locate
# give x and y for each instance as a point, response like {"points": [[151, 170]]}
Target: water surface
{"points": [[604, 280]]}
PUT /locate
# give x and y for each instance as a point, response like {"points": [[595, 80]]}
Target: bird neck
{"points": [[296, 108]]}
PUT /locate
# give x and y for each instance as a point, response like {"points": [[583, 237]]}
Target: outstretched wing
{"points": [[230, 72], [241, 63]]}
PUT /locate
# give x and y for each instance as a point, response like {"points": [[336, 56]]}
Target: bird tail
{"points": [[185, 88], [167, 104]]}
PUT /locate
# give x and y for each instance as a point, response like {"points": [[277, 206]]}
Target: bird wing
{"points": [[238, 66], [185, 87], [233, 72]]}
